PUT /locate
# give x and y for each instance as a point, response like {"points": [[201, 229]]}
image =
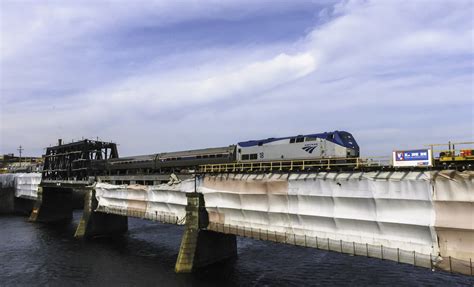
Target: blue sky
{"points": [[159, 76]]}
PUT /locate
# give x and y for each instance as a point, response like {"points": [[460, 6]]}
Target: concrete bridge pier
{"points": [[78, 195], [7, 200], [200, 247], [10, 204], [95, 224], [23, 206], [54, 204]]}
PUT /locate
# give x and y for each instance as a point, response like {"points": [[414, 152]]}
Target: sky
{"points": [[157, 76]]}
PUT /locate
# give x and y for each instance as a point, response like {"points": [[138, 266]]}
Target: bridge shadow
{"points": [[217, 272]]}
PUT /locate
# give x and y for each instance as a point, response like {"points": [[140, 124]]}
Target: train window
{"points": [[260, 143], [253, 156], [308, 139], [219, 155], [292, 140], [298, 140], [240, 150], [245, 157]]}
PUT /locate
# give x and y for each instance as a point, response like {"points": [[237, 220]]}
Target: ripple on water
{"points": [[36, 254]]}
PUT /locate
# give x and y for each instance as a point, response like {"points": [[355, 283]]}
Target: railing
{"points": [[297, 165], [452, 152], [139, 213], [433, 262]]}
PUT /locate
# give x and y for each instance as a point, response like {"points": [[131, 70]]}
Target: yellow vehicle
{"points": [[454, 154]]}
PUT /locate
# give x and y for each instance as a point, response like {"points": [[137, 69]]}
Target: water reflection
{"points": [[37, 254]]}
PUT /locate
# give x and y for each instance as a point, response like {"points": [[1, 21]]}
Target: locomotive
{"points": [[336, 144]]}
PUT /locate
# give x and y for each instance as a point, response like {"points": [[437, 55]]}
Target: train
{"points": [[323, 151], [334, 144]]}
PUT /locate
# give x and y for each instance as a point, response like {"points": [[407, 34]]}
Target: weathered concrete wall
{"points": [[213, 247], [23, 206], [7, 193], [78, 196], [26, 185], [390, 209], [160, 201], [54, 204], [7, 200], [453, 195], [199, 247], [427, 212], [18, 192], [7, 180]]}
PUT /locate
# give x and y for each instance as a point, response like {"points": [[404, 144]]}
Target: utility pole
{"points": [[20, 149]]}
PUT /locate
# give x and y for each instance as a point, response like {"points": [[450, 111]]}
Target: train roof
{"points": [[121, 160], [227, 149], [186, 153], [325, 135]]}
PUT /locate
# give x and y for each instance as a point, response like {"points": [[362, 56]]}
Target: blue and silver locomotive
{"points": [[337, 144], [334, 145]]}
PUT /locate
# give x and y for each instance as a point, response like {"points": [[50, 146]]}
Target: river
{"points": [[48, 255]]}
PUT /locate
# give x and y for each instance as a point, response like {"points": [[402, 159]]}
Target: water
{"points": [[45, 255]]}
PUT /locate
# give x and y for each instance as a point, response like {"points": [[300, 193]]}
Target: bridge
{"points": [[360, 207]]}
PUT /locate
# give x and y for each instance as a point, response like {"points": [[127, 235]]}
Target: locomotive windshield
{"points": [[348, 140]]}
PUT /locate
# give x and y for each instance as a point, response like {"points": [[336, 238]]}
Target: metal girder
{"points": [[77, 161]]}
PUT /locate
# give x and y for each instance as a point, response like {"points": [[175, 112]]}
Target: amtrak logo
{"points": [[310, 148], [400, 156]]}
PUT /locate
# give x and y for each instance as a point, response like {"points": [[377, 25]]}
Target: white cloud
{"points": [[186, 87]]}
